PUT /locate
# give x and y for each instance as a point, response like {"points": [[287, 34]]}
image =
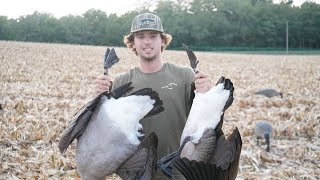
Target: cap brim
{"points": [[146, 29]]}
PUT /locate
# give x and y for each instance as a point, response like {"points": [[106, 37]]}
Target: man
{"points": [[173, 82]]}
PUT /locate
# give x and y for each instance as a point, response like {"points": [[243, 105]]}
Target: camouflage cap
{"points": [[146, 21]]}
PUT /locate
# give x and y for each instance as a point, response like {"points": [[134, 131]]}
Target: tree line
{"points": [[201, 24]]}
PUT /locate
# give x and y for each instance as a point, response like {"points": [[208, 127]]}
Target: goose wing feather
{"points": [[81, 119], [142, 164], [227, 155]]}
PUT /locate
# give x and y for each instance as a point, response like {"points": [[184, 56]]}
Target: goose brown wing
{"points": [[81, 119], [194, 170], [195, 167], [142, 164], [227, 155], [236, 144], [223, 153], [78, 124], [224, 165], [203, 150]]}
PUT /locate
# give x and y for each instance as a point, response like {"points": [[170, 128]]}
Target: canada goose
{"points": [[108, 134], [203, 148], [204, 153], [263, 129], [269, 93]]}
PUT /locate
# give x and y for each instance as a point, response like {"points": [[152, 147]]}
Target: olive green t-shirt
{"points": [[173, 84]]}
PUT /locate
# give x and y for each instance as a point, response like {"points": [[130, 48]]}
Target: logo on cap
{"points": [[146, 21]]}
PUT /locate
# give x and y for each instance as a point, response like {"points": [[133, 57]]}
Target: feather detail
{"points": [[110, 59]]}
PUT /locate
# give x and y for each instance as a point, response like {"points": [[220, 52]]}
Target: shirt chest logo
{"points": [[170, 86]]}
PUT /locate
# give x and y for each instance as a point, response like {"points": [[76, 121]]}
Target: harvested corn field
{"points": [[43, 85]]}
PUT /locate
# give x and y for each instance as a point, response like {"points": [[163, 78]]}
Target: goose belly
{"points": [[205, 112], [102, 148], [200, 119]]}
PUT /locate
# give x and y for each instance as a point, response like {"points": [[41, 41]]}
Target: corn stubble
{"points": [[43, 85]]}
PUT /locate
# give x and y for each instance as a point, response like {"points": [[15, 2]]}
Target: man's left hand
{"points": [[202, 82]]}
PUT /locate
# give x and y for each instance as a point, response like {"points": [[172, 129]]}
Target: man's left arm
{"points": [[202, 82]]}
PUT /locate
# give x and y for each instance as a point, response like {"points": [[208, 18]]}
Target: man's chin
{"points": [[149, 58]]}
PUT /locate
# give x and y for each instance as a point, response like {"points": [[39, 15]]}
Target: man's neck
{"points": [[150, 66]]}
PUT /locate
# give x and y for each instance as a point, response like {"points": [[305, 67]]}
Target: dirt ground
{"points": [[43, 85]]}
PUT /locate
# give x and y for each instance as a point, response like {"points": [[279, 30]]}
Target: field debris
{"points": [[43, 85]]}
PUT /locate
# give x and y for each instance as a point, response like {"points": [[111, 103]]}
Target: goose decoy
{"points": [[109, 135], [204, 153], [269, 93], [263, 129]]}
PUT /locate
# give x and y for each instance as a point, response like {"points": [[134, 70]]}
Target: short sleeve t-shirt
{"points": [[173, 84]]}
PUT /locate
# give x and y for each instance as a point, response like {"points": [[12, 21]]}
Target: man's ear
{"points": [[163, 43]]}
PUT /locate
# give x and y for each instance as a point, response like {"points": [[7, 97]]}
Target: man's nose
{"points": [[147, 40]]}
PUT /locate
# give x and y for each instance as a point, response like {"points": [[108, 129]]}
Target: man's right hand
{"points": [[102, 84]]}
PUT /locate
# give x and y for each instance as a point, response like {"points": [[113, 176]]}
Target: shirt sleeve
{"points": [[120, 80]]}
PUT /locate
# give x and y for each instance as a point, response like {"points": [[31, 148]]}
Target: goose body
{"points": [[205, 112], [263, 129], [203, 148], [107, 130]]}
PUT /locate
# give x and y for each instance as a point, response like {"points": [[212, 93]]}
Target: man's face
{"points": [[148, 44]]}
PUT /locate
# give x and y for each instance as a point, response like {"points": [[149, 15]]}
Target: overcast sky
{"points": [[59, 8]]}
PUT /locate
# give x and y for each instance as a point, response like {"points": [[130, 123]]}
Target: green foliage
{"points": [[201, 24], [4, 28]]}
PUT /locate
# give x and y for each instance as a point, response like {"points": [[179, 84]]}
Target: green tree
{"points": [[95, 22], [4, 28], [201, 24]]}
